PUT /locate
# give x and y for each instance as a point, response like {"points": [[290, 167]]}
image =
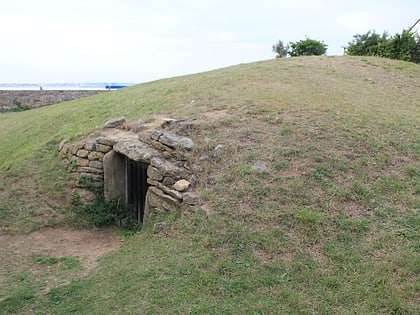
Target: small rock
{"points": [[191, 198], [259, 166], [161, 227], [204, 159], [113, 123], [181, 185], [218, 150]]}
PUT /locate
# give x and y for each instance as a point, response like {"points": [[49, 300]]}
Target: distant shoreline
{"points": [[18, 100], [98, 86]]}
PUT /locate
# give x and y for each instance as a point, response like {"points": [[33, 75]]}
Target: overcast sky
{"points": [[46, 41]]}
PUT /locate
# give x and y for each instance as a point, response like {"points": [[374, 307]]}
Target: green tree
{"points": [[280, 49], [404, 46], [308, 47], [369, 44]]}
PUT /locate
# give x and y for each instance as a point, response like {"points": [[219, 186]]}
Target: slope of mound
{"points": [[313, 204]]}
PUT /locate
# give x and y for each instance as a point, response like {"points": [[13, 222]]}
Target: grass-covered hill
{"points": [[329, 226]]}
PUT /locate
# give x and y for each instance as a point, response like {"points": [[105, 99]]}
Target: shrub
{"points": [[308, 47]]}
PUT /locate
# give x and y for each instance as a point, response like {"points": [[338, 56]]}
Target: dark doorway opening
{"points": [[136, 187]]}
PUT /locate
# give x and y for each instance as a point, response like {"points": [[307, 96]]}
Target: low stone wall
{"points": [[10, 99], [169, 176]]}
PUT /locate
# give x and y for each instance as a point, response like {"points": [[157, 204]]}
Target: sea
{"points": [[64, 86]]}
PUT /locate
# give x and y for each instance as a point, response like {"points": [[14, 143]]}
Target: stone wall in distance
{"points": [[9, 99]]}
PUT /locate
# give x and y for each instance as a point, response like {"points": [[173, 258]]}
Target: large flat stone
{"points": [[136, 150], [174, 141]]}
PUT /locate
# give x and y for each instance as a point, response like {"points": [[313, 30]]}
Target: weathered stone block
{"points": [[62, 143], [74, 149], [82, 162], [191, 198], [154, 174], [95, 164], [113, 123], [156, 134], [174, 141], [103, 148], [181, 185], [165, 167], [136, 150], [145, 137], [65, 149], [82, 153], [91, 170], [90, 145], [160, 146], [105, 141], [152, 182], [158, 199], [114, 176], [169, 181], [95, 156]]}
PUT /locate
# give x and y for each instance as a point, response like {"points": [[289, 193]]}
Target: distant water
{"points": [[60, 86]]}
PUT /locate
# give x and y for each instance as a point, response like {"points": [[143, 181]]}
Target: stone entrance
{"points": [[147, 172]]}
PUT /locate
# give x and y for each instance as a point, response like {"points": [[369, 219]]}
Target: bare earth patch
{"points": [[17, 250]]}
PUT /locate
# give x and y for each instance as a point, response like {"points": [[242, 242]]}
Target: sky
{"points": [[57, 41]]}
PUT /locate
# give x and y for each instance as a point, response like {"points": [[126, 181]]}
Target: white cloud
{"points": [[132, 40]]}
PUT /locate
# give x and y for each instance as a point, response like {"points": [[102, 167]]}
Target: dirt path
{"points": [[17, 251]]}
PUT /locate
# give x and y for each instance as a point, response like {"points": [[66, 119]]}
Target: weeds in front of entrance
{"points": [[99, 212]]}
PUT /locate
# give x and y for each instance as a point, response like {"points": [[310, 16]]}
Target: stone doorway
{"points": [[136, 187]]}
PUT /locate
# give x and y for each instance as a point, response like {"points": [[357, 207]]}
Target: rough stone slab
{"points": [[174, 141], [152, 182], [90, 145], [191, 198], [96, 164], [259, 166], [166, 168], [95, 156], [158, 199], [82, 153], [94, 177], [145, 137], [82, 162], [169, 191], [168, 181], [136, 150], [165, 189], [181, 185], [91, 170], [154, 174], [105, 141], [74, 149], [65, 149], [103, 148], [62, 143], [155, 135], [159, 146], [113, 123]]}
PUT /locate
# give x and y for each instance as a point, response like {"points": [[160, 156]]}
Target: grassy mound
{"points": [[330, 225]]}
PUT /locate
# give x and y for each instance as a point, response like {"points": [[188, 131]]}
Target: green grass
{"points": [[330, 227]]}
